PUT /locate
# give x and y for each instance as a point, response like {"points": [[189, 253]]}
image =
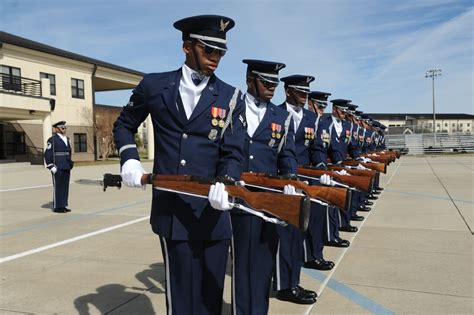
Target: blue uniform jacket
{"points": [[305, 138], [339, 144], [261, 150], [322, 141], [58, 154], [354, 148], [367, 141], [185, 146]]}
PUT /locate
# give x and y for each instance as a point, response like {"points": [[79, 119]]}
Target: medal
{"points": [[221, 123], [278, 136], [212, 134], [271, 143], [214, 113], [278, 129], [214, 122], [221, 113], [273, 135]]}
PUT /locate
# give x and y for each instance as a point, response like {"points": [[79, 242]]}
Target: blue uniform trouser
{"points": [[314, 238], [331, 229], [254, 247], [60, 188], [195, 272], [289, 258]]}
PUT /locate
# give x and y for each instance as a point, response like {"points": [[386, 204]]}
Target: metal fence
{"points": [[431, 143]]}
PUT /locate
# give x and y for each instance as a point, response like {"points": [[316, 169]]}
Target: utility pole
{"points": [[433, 73]]}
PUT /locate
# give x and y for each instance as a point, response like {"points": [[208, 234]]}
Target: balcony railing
{"points": [[20, 85]]}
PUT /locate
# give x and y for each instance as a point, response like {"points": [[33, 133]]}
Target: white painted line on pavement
{"points": [[30, 187], [74, 239]]}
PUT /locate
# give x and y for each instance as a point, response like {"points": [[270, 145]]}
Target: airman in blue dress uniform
{"points": [[198, 122], [269, 148], [325, 137], [57, 157], [290, 254]]}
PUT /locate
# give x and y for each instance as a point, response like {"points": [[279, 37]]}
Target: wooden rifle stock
{"points": [[359, 182], [339, 197], [293, 209], [379, 167], [367, 173]]}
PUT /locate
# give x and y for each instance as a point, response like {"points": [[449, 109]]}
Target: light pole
{"points": [[433, 73]]}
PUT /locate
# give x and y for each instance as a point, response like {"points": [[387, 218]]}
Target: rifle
{"points": [[359, 182], [380, 158], [339, 197], [373, 175], [292, 209], [379, 167]]}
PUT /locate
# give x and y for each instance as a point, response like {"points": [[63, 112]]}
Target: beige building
{"points": [[423, 123], [41, 85]]}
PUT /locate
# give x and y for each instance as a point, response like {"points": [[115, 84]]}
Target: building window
{"points": [[80, 142], [15, 143], [469, 124], [460, 125], [446, 124], [454, 125], [52, 81], [11, 78], [77, 88]]}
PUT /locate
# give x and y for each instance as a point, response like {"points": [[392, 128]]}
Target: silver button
{"points": [[250, 141], [185, 136], [183, 162], [251, 157]]}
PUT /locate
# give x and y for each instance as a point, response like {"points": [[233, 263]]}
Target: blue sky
{"points": [[374, 52]]}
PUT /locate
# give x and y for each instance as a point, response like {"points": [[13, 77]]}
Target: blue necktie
{"points": [[197, 78]]}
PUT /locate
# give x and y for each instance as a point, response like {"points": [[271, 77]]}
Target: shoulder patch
{"points": [[48, 146]]}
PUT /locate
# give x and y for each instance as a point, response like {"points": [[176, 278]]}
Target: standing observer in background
{"points": [[198, 128], [57, 157]]}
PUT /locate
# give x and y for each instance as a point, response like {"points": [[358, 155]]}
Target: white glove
{"points": [[218, 197], [361, 167], [53, 170], [132, 172], [289, 190], [373, 154], [342, 172], [325, 179], [366, 160]]}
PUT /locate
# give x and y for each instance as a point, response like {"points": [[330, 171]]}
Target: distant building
{"points": [[40, 85], [423, 123]]}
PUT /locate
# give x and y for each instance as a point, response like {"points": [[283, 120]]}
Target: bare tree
{"points": [[105, 117]]}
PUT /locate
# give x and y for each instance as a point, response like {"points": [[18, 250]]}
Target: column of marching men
{"points": [[205, 127]]}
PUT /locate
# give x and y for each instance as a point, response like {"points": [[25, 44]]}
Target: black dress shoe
{"points": [[338, 242], [357, 218], [369, 203], [59, 210], [373, 197], [350, 229], [364, 209], [295, 295], [379, 188], [66, 209], [319, 264], [309, 293], [375, 192]]}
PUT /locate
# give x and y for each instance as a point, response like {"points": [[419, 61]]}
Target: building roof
{"points": [[406, 116], [26, 43]]}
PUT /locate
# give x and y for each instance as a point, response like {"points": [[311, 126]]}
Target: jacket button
{"points": [[183, 162], [185, 136], [250, 141], [251, 157]]}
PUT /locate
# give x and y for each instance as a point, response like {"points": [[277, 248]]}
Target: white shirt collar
{"points": [[254, 113], [63, 137]]}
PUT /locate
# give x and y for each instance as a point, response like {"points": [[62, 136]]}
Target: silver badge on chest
{"points": [[212, 134], [271, 143], [306, 143]]}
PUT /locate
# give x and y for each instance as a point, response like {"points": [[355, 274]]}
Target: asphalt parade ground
{"points": [[413, 253]]}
